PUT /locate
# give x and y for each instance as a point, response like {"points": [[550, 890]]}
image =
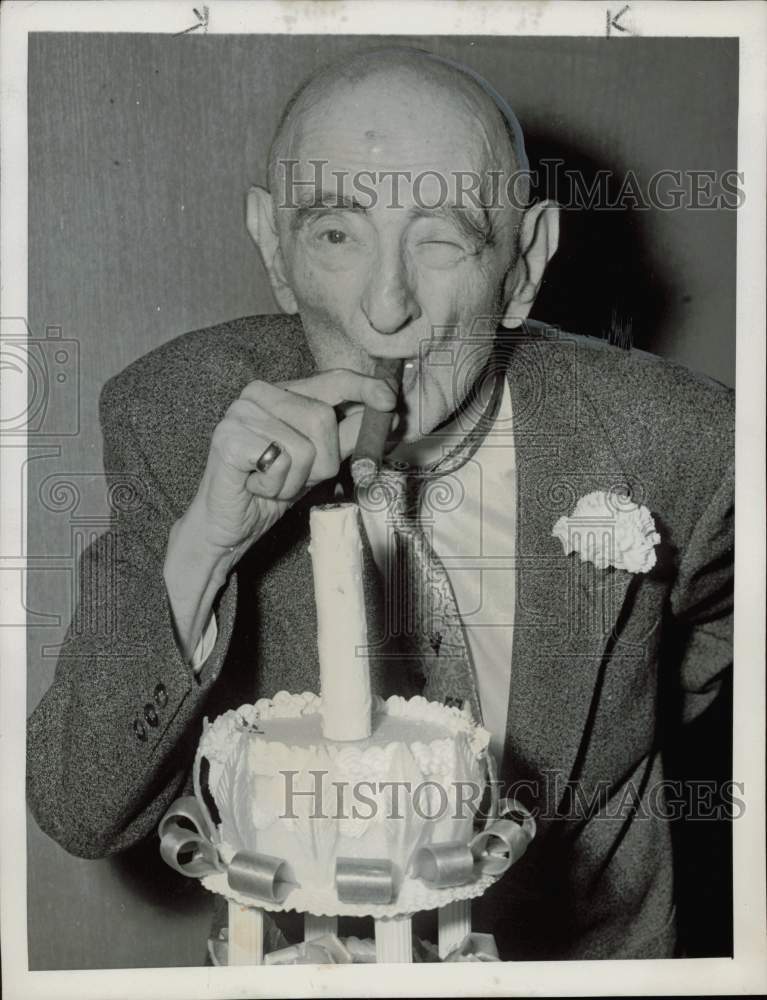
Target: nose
{"points": [[389, 301]]}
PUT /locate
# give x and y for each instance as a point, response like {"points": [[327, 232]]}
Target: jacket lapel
{"points": [[566, 611]]}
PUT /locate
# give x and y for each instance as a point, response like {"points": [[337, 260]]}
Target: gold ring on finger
{"points": [[268, 457]]}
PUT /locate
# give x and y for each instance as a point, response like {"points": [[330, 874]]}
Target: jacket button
{"points": [[139, 729], [150, 715], [161, 695]]}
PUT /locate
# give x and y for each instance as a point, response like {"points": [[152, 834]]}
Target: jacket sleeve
{"points": [[702, 601], [112, 740]]}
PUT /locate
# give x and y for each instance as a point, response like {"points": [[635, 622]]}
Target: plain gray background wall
{"points": [[141, 148]]}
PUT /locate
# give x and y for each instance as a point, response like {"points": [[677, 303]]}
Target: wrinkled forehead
{"points": [[401, 117], [427, 139]]}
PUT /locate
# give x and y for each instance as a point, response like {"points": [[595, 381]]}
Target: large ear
{"points": [[263, 231], [538, 241]]}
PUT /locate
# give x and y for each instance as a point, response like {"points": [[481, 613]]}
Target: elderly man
{"points": [[396, 225]]}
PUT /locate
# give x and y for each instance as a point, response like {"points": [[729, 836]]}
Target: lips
{"points": [[410, 372]]}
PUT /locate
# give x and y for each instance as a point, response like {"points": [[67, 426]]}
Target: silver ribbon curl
{"points": [[504, 840], [446, 864], [326, 950], [176, 840], [475, 947], [259, 875], [332, 950], [364, 880], [492, 851]]}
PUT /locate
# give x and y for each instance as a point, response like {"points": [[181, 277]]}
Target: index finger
{"points": [[342, 385]]}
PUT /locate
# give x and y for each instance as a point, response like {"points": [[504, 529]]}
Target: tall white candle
{"points": [[342, 635]]}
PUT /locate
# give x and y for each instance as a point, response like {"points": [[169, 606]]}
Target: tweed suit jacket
{"points": [[604, 663]]}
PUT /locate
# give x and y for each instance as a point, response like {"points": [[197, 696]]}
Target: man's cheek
{"points": [[454, 299], [322, 297]]}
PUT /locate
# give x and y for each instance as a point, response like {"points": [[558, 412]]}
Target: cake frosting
{"points": [[342, 803], [276, 785]]}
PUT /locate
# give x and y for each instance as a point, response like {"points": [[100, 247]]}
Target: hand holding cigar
{"points": [[376, 426]]}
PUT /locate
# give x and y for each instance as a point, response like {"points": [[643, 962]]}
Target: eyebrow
{"points": [[317, 203], [480, 231]]}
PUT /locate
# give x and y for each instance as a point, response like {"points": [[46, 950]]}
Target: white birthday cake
{"points": [[341, 803], [280, 788]]}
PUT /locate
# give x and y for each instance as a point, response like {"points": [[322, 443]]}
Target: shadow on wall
{"points": [[603, 281]]}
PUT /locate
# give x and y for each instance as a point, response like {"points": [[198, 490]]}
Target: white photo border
{"points": [[747, 971]]}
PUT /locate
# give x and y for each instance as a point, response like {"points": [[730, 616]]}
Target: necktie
{"points": [[421, 613]]}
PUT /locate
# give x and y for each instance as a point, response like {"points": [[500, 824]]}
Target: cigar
{"points": [[374, 430]]}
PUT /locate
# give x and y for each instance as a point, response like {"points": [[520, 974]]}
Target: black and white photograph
{"points": [[382, 444]]}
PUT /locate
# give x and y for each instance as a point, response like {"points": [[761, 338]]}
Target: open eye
{"points": [[338, 241], [336, 237]]}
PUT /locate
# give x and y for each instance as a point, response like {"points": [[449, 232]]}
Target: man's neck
{"points": [[428, 450]]}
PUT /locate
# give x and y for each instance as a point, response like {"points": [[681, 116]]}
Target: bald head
{"points": [[377, 231], [381, 89]]}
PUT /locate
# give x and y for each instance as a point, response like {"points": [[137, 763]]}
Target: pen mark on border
{"points": [[202, 22], [613, 19]]}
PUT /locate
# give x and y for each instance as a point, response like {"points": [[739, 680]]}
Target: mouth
{"points": [[410, 370]]}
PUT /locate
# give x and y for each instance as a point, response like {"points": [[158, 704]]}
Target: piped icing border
{"points": [[414, 895], [217, 735]]}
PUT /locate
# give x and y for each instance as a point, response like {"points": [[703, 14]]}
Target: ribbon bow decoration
{"points": [[332, 950], [492, 851], [475, 947], [184, 830], [328, 949], [186, 844]]}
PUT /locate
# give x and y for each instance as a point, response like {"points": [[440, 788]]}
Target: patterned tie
{"points": [[422, 616]]}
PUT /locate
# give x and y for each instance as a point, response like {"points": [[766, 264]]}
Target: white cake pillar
{"points": [[246, 935], [454, 923], [315, 927], [342, 635], [394, 939]]}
